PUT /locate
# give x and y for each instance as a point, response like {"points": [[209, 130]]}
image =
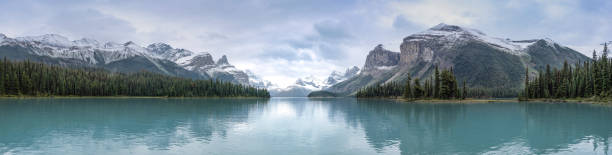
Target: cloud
{"points": [[331, 30], [91, 24], [285, 39]]}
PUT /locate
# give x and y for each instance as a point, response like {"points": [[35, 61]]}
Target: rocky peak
{"points": [[446, 27], [2, 37], [380, 57], [110, 45], [160, 46], [201, 60], [86, 42], [336, 77], [222, 61], [351, 71], [129, 43], [48, 39]]}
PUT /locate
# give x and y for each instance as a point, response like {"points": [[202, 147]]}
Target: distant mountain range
{"points": [[482, 61], [303, 86], [126, 57]]}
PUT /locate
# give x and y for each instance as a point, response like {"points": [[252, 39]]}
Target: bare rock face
{"points": [[479, 60], [415, 51], [222, 61], [201, 61], [380, 57]]}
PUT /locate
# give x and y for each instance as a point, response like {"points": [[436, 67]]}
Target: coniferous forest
{"points": [[582, 80], [442, 85], [36, 79]]}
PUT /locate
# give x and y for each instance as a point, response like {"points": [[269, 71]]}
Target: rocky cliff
{"points": [[480, 60]]}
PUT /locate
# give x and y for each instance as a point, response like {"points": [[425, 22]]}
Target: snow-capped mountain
{"points": [[201, 63], [452, 35], [126, 57], [303, 86], [480, 60], [258, 82]]}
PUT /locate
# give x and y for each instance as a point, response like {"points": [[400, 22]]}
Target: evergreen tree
{"points": [[464, 92], [418, 90], [437, 82], [408, 89], [527, 94], [26, 78]]}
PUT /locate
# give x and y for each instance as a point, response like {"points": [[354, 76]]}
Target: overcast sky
{"points": [[281, 40]]}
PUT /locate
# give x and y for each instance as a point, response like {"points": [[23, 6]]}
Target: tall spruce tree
{"points": [[464, 92], [408, 89], [437, 83], [418, 90], [527, 94]]}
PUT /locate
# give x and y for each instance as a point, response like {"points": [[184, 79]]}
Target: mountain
{"points": [[303, 86], [258, 82], [482, 61], [127, 57]]}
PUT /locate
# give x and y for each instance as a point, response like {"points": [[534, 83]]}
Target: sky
{"points": [[282, 40]]}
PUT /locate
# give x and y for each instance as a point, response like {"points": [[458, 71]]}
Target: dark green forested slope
{"points": [[442, 85], [587, 79], [37, 79]]}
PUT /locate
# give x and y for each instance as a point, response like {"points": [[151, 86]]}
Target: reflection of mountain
{"points": [[559, 126], [478, 128], [160, 122], [301, 125]]}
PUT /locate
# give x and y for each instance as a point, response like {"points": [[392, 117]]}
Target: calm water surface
{"points": [[299, 126]]}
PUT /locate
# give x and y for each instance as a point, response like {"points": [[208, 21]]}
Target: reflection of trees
{"points": [[413, 126], [156, 120], [432, 128], [552, 127]]}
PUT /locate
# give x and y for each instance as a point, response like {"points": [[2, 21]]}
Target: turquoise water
{"points": [[299, 126]]}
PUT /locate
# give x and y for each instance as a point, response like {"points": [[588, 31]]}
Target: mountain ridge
{"points": [[126, 57], [482, 61]]}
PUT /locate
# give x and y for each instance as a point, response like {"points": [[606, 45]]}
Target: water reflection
{"points": [[299, 126], [155, 123]]}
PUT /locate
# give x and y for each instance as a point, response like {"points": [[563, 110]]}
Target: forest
{"points": [[442, 85], [582, 80], [27, 78]]}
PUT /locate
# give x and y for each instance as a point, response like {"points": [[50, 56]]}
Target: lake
{"points": [[298, 126]]}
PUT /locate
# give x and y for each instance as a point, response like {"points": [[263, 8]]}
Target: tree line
{"points": [[441, 85], [38, 79], [583, 80]]}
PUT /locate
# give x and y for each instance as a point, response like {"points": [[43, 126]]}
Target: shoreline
{"points": [[464, 101], [128, 97]]}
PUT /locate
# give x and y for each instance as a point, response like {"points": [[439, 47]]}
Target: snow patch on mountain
{"points": [[95, 52], [259, 82], [305, 85], [456, 34]]}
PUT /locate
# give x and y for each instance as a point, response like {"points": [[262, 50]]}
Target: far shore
{"points": [[159, 97], [493, 100]]}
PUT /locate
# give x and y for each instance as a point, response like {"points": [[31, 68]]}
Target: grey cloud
{"points": [[283, 53], [92, 24], [329, 51], [331, 30], [401, 23]]}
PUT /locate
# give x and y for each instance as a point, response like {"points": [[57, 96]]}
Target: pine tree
{"points": [[408, 89], [527, 93], [464, 93], [13, 83], [418, 90], [437, 83]]}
